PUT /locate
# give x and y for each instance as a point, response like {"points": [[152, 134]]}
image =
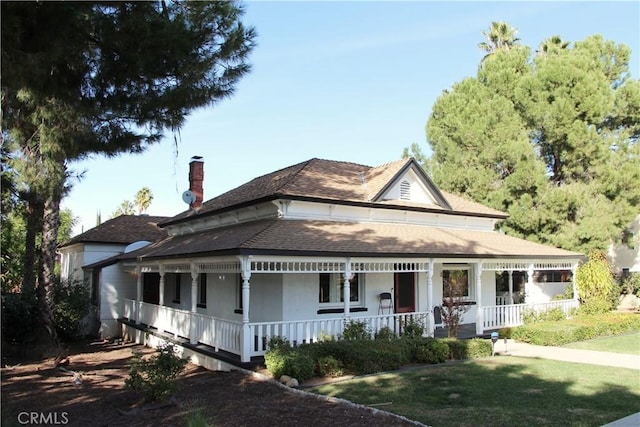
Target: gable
{"points": [[409, 187]]}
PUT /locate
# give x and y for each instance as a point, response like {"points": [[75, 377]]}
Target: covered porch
{"points": [[247, 338]]}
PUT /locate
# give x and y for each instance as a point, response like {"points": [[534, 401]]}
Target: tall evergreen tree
{"points": [[552, 140], [108, 78]]}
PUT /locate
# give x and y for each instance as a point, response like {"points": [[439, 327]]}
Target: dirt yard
{"points": [[40, 393]]}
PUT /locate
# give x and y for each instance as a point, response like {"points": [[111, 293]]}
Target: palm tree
{"points": [[125, 208], [500, 37], [551, 45], [143, 199]]}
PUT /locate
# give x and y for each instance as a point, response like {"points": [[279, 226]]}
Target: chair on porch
{"points": [[437, 317], [386, 303]]}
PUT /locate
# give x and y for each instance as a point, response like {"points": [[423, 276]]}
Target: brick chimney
{"points": [[196, 177]]}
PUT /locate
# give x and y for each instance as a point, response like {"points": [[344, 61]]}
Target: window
{"points": [[176, 288], [202, 290], [455, 283], [405, 190], [552, 276], [332, 286]]}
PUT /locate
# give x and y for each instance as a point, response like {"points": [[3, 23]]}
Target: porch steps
{"points": [[256, 363]]}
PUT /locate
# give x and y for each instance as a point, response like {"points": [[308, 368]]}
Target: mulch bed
{"points": [[88, 390]]}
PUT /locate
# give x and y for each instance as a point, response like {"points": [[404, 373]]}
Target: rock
{"points": [[284, 379], [292, 383]]}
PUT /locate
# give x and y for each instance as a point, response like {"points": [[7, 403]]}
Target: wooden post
{"points": [[161, 318], [194, 304], [511, 301], [346, 290], [246, 335], [430, 305], [138, 305], [479, 317]]}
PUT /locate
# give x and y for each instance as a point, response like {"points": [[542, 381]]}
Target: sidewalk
{"points": [[591, 357]]}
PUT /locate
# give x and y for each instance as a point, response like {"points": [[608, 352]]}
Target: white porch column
{"points": [[161, 321], [511, 287], [529, 285], [479, 317], [430, 305], [138, 305], [574, 268], [346, 290], [247, 336], [194, 301]]}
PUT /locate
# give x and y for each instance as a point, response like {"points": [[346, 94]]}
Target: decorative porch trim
{"points": [[526, 264]]}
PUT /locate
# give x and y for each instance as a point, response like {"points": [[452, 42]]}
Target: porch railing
{"points": [[500, 316], [227, 335], [298, 332]]}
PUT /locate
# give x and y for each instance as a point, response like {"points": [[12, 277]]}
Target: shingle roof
{"points": [[326, 180], [123, 229], [297, 237]]}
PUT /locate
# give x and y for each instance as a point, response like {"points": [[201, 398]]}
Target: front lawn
{"points": [[628, 344], [499, 391]]}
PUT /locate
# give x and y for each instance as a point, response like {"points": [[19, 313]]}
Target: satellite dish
{"points": [[188, 197]]}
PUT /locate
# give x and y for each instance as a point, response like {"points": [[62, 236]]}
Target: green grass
{"points": [[500, 391], [628, 344]]}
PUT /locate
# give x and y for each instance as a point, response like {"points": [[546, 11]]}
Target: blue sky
{"points": [[350, 81]]}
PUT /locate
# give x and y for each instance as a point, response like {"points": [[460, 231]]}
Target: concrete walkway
{"points": [[573, 355]]}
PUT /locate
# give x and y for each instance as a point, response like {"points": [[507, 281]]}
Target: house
{"points": [[91, 257], [301, 251]]}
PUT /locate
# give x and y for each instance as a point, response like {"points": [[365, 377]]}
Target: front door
{"points": [[405, 292]]}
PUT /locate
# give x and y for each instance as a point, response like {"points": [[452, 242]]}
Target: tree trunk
{"points": [[33, 226], [47, 279]]}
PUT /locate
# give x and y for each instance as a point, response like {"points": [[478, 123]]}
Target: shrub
{"points": [[329, 366], [431, 350], [631, 284], [533, 316], [478, 347], [71, 305], [385, 334], [505, 333], [457, 348], [277, 342], [156, 377], [356, 330], [282, 359], [596, 287], [578, 328], [19, 318], [468, 349], [413, 328]]}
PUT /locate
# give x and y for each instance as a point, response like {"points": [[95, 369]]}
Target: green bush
{"points": [[468, 349], [329, 366], [385, 334], [478, 347], [631, 285], [281, 359], [356, 330], [431, 350], [533, 316], [364, 356], [505, 333], [457, 348], [579, 328], [71, 305], [413, 328], [156, 377], [19, 318]]}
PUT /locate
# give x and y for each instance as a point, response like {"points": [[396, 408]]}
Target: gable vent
{"points": [[405, 190]]}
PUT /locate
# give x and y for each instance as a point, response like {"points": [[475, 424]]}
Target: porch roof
{"points": [[332, 238]]}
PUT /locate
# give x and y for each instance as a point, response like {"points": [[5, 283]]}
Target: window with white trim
{"points": [[331, 289], [457, 282]]}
